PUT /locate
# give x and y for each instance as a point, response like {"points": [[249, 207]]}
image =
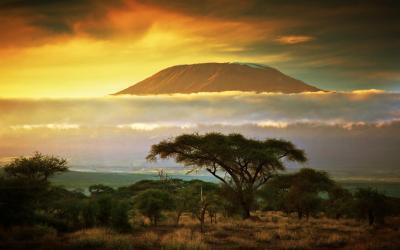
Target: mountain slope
{"points": [[217, 77]]}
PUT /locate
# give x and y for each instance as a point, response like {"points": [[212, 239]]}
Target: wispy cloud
{"points": [[294, 39]]}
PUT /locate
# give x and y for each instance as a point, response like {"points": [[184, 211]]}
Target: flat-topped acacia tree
{"points": [[242, 164]]}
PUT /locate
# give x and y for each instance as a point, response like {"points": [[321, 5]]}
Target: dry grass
{"points": [[183, 239], [100, 238], [275, 231], [265, 236]]}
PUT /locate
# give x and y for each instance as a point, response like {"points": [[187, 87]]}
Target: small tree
{"points": [[119, 216], [104, 204], [371, 204], [24, 188], [90, 212], [242, 164], [36, 168], [340, 202], [153, 202], [298, 192], [183, 199]]}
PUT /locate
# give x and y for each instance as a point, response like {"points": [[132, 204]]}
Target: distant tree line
{"points": [[250, 179]]}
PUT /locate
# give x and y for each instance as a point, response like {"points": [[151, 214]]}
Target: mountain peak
{"points": [[217, 77]]}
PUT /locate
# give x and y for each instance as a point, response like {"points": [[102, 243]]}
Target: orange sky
{"points": [[81, 64], [94, 48]]}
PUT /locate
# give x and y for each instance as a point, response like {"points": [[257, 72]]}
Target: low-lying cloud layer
{"points": [[351, 130], [227, 108]]}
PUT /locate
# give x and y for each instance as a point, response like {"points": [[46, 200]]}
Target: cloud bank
{"points": [[188, 110], [352, 131]]}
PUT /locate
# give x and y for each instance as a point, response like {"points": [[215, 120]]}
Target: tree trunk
{"points": [[370, 218], [299, 214], [155, 220], [202, 217], [246, 209], [246, 213], [178, 217]]}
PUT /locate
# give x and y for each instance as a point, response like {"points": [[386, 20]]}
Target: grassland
{"points": [[273, 230]]}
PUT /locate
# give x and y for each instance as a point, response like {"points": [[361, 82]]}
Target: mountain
{"points": [[217, 77]]}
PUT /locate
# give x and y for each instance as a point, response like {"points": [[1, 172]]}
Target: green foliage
{"points": [[340, 203], [246, 163], [152, 202], [170, 185], [119, 216], [299, 192], [104, 204], [26, 196]]}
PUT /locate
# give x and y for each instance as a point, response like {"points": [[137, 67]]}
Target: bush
{"points": [[152, 202], [371, 204], [119, 216], [104, 204]]}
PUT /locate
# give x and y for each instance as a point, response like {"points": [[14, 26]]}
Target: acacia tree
{"points": [[24, 188], [38, 167], [242, 164]]}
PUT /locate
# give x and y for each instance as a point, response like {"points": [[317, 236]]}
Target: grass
{"points": [[275, 231], [100, 238]]}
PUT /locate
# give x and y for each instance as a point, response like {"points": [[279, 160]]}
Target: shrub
{"points": [[152, 202], [119, 216]]}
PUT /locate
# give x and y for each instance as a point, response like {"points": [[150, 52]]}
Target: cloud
{"points": [[369, 106], [356, 131], [294, 39]]}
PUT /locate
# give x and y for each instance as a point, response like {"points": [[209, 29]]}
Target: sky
{"points": [[89, 48], [60, 60]]}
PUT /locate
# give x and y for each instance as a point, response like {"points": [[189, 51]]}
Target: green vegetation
{"points": [[251, 185], [242, 165]]}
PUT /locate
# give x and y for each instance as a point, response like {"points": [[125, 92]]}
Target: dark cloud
{"points": [[351, 38], [56, 17]]}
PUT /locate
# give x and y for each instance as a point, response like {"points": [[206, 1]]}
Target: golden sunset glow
{"points": [[83, 64], [106, 46]]}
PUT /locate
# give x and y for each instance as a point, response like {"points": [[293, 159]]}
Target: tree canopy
{"points": [[299, 192], [36, 168], [242, 164]]}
